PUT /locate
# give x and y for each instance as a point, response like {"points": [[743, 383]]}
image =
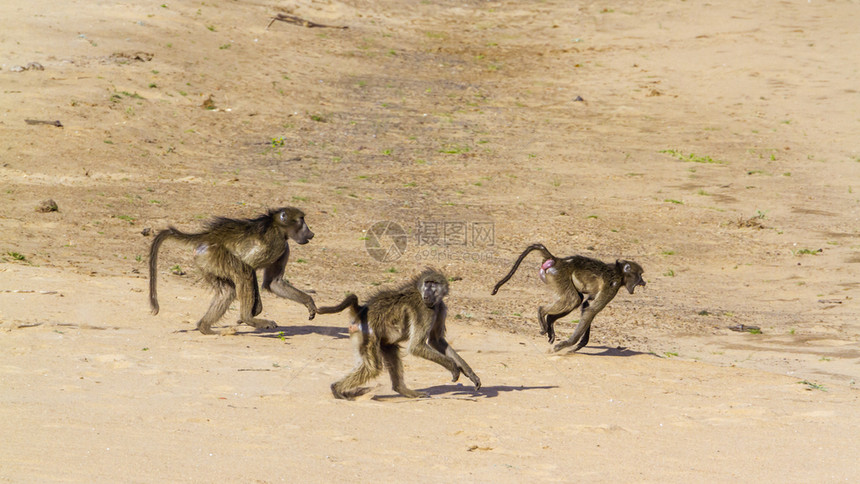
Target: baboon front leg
{"points": [[580, 335], [441, 345], [284, 289], [273, 280], [391, 355], [423, 350], [225, 293]]}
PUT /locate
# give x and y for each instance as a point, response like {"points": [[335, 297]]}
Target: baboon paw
{"points": [[408, 393], [311, 314], [455, 375], [261, 323], [558, 347], [476, 381]]}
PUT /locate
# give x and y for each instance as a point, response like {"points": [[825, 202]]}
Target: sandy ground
{"points": [[715, 144]]}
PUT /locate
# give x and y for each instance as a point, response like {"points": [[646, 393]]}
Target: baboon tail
{"points": [[516, 266], [351, 301], [168, 233]]}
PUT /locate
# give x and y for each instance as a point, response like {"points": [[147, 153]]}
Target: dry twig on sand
{"points": [[292, 19]]}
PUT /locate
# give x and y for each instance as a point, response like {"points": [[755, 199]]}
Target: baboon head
{"points": [[433, 287], [293, 222], [632, 273]]}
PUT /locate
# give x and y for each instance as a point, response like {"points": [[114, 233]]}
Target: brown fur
{"points": [[413, 313], [571, 278], [230, 251]]}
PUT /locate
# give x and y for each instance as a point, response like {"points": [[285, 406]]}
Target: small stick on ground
{"points": [[40, 121], [292, 19]]}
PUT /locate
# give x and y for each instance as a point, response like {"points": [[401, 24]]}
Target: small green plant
{"points": [[318, 118], [808, 251], [301, 261], [138, 258], [281, 336], [454, 149], [225, 46], [692, 157], [812, 386], [127, 218], [671, 200], [670, 354], [177, 270], [17, 256], [391, 270], [668, 252], [211, 28], [669, 273], [144, 349]]}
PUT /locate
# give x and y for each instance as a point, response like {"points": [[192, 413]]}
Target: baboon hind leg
{"points": [[369, 366], [225, 293], [561, 308], [258, 302], [391, 355], [250, 304]]}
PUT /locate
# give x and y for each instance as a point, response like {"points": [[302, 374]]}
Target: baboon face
{"points": [[632, 274], [433, 291], [293, 221]]}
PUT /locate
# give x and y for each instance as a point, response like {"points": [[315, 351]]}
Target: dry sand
{"points": [[715, 144]]}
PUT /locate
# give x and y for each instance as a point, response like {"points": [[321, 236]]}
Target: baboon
{"points": [[414, 312], [571, 277], [229, 252]]}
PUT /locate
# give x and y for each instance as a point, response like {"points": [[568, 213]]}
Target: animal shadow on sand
{"points": [[283, 331], [289, 331], [605, 351], [463, 392]]}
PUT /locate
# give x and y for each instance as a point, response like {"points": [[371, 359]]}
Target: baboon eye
{"points": [[283, 216]]}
